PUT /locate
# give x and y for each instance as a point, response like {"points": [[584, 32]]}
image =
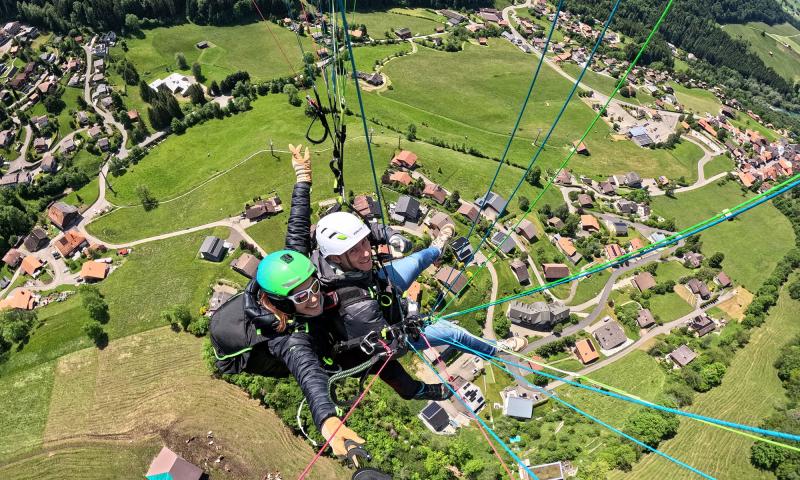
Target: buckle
{"points": [[369, 342]]}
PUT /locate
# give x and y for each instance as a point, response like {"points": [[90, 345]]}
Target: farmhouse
{"points": [[610, 335], [520, 270], [537, 315], [169, 466], [403, 33], [406, 210], [69, 243], [527, 230], [212, 249], [366, 206], [36, 240], [405, 159], [246, 264], [698, 287], [555, 271], [645, 318], [62, 215], [702, 325], [682, 356], [644, 281], [12, 258], [585, 201], [585, 351], [451, 279], [92, 271], [468, 210]]}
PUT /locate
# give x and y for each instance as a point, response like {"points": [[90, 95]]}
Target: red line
{"points": [[274, 37], [350, 412], [483, 431]]}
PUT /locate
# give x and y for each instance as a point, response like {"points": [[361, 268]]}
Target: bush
{"points": [[94, 330]]}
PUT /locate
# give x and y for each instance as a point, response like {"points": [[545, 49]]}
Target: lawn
{"points": [[697, 100], [379, 23], [367, 55], [769, 47], [606, 84], [744, 122], [147, 390], [687, 154], [476, 106], [718, 164], [589, 287], [747, 260], [749, 392], [669, 307], [244, 47], [24, 400], [70, 98]]}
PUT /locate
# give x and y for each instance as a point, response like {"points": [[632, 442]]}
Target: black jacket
{"points": [[242, 323]]}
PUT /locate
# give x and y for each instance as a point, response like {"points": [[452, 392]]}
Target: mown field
{"points": [[697, 100], [245, 47], [749, 391], [776, 46], [718, 164], [96, 414], [478, 106], [381, 24], [747, 259], [606, 85]]}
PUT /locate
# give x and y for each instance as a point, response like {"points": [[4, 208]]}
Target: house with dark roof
{"points": [[520, 270], [620, 229], [639, 136], [435, 417], [504, 242], [246, 264], [644, 281], [555, 271], [49, 164], [606, 188], [13, 257], [451, 278], [626, 206], [63, 215], [610, 335], [584, 200], [366, 206], [406, 210], [212, 249], [698, 287], [491, 202], [403, 33], [645, 318], [36, 240], [527, 230], [555, 222], [682, 356], [518, 407], [633, 180], [693, 260], [723, 280], [537, 315], [702, 325], [438, 221]]}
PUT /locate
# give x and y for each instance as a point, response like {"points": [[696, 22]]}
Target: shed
{"points": [[169, 466], [212, 249], [518, 407]]}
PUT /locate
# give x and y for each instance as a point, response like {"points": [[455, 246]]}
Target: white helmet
{"points": [[339, 232]]}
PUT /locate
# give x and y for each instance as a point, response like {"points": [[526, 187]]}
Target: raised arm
{"points": [[298, 233]]}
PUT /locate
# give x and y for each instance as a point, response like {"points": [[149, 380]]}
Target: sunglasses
{"points": [[304, 295]]}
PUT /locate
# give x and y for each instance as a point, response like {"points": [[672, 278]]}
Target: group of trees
{"points": [[180, 318], [15, 326], [164, 107], [97, 309]]}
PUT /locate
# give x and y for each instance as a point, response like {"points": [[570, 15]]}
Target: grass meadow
{"points": [[777, 46]]}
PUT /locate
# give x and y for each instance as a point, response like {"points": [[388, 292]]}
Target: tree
{"points": [[794, 290], [214, 87], [180, 59], [534, 176], [652, 427], [411, 132], [16, 324], [473, 468], [195, 93], [146, 92], [766, 457], [523, 203], [95, 332], [53, 104], [182, 316], [147, 199], [293, 94], [197, 72], [132, 23], [177, 126], [715, 261], [93, 303], [502, 327]]}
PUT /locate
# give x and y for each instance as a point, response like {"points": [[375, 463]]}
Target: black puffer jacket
{"points": [[243, 323]]}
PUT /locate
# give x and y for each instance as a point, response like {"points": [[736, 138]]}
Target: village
{"points": [[594, 320]]}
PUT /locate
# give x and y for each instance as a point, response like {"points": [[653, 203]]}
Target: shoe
{"points": [[515, 344], [445, 234], [434, 391]]}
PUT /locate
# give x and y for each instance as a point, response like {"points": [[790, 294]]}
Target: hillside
{"points": [[776, 45]]}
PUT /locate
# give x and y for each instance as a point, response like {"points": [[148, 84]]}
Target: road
{"points": [[107, 117], [488, 328], [21, 162]]}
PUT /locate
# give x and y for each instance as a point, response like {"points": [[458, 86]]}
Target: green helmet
{"points": [[279, 272]]}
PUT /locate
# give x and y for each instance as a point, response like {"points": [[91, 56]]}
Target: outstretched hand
{"points": [[301, 162]]}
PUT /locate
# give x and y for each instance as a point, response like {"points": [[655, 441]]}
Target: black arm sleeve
{"points": [[298, 233], [297, 353]]}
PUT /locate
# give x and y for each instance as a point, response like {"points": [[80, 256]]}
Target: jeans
{"points": [[403, 272]]}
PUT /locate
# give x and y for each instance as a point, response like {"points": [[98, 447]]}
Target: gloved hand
{"points": [[301, 163], [343, 434]]}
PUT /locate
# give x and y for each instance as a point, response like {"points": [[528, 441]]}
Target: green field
{"points": [[476, 106], [747, 260], [697, 100], [379, 23], [25, 399], [605, 84], [771, 47], [749, 392], [744, 122], [244, 47], [366, 56], [590, 287], [718, 164]]}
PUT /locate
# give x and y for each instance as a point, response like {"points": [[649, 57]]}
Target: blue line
{"points": [[475, 415], [595, 419], [546, 138], [645, 250], [513, 132], [747, 428]]}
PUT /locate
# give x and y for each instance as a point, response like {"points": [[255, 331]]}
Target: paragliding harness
{"points": [[338, 135]]}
